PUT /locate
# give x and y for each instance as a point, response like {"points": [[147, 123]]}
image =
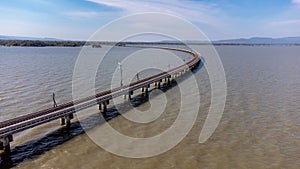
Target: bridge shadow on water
{"points": [[37, 147]]}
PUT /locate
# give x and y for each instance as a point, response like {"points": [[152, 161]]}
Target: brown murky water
{"points": [[260, 127]]}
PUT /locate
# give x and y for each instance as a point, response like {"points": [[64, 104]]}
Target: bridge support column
{"points": [[130, 94], [169, 79], [100, 106], [143, 90], [104, 107], [68, 120], [62, 121], [158, 84], [5, 144], [146, 90]]}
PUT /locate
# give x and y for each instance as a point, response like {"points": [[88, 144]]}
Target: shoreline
{"points": [[98, 44]]}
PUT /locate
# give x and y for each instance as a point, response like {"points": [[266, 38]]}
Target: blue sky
{"points": [[218, 19]]}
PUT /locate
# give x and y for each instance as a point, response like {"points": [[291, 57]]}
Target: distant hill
{"points": [[261, 40], [4, 37], [244, 41], [240, 41]]}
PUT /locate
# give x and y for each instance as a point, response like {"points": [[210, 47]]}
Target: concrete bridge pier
{"points": [[100, 106], [147, 90], [104, 110], [5, 144], [173, 78], [158, 84], [67, 120], [103, 107], [168, 80], [130, 94], [62, 121], [165, 81]]}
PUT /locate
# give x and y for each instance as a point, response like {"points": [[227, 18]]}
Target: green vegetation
{"points": [[36, 43], [96, 44], [39, 43]]}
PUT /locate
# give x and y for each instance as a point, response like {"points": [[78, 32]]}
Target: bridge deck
{"points": [[27, 121]]}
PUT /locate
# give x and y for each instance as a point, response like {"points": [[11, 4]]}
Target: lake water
{"points": [[260, 127]]}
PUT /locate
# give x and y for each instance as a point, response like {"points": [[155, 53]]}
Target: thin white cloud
{"points": [[296, 2], [199, 12], [213, 19], [81, 13], [286, 22], [43, 2], [282, 28]]}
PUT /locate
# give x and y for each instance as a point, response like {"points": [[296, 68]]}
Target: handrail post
{"points": [[137, 77], [62, 120], [54, 102]]}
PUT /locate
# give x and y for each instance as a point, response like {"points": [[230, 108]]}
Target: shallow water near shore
{"points": [[260, 127]]}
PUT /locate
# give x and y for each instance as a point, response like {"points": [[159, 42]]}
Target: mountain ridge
{"points": [[5, 37], [262, 40], [252, 40]]}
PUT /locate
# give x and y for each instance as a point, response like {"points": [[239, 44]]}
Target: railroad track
{"points": [[66, 110]]}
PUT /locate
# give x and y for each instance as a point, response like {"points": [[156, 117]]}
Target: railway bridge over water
{"points": [[65, 111]]}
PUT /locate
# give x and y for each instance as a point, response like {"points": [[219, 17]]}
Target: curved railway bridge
{"points": [[65, 111]]}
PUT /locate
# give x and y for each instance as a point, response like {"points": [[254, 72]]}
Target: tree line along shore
{"points": [[38, 43], [97, 44]]}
